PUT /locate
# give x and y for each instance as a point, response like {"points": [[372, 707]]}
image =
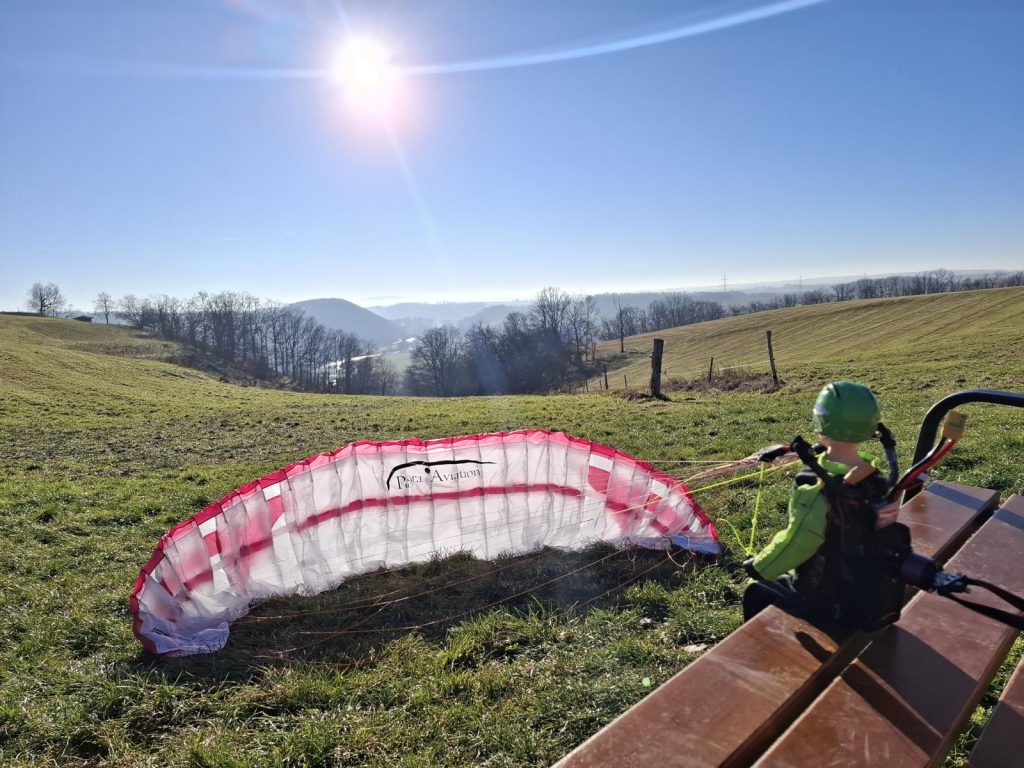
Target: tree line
{"points": [[670, 312], [262, 338], [551, 344], [935, 281]]}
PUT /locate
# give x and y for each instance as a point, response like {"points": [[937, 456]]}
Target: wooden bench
{"points": [[729, 706], [1002, 741], [905, 699]]}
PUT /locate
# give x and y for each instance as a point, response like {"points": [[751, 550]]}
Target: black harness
{"points": [[862, 571]]}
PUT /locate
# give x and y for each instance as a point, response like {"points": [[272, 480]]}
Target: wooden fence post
{"points": [[659, 348], [711, 369], [771, 359], [606, 375], [625, 383]]}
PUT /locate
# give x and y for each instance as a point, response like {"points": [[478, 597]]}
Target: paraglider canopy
{"points": [[370, 505]]}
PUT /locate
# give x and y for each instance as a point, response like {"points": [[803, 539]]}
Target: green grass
{"points": [[928, 335], [106, 444]]}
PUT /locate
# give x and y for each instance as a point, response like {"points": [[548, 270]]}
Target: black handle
{"points": [[935, 415], [932, 420]]}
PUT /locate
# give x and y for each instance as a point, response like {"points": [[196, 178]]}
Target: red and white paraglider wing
{"points": [[309, 527]]}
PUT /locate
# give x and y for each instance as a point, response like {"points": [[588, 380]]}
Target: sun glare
{"points": [[363, 68]]}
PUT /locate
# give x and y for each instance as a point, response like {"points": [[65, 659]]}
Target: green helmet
{"points": [[846, 411]]}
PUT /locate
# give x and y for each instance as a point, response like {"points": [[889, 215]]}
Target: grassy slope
{"points": [[853, 333], [102, 454]]}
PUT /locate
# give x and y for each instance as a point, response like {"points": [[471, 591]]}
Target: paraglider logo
{"points": [[406, 480]]}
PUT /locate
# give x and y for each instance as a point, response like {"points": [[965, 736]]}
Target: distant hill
{"points": [[345, 316], [494, 314], [439, 313], [416, 317]]}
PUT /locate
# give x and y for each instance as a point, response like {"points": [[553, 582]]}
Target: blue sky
{"points": [[203, 145]]}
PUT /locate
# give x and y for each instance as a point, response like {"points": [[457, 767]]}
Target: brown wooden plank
{"points": [[727, 706], [718, 705], [906, 698], [944, 516], [1002, 741]]}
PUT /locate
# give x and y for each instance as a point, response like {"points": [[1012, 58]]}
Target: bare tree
{"points": [[580, 321], [104, 305], [436, 360], [620, 322], [387, 376], [130, 310], [941, 280], [627, 321], [814, 296], [486, 357], [867, 288], [167, 318], [45, 299], [550, 312], [194, 320], [677, 309], [345, 348], [843, 291]]}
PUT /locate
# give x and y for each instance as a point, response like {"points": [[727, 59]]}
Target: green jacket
{"points": [[808, 520]]}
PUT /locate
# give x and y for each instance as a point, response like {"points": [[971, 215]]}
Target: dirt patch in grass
{"points": [[636, 395], [725, 381]]}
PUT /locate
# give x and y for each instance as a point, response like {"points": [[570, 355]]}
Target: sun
{"points": [[363, 68]]}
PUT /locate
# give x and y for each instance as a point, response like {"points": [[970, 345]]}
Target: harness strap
{"points": [[1015, 600], [1014, 620]]}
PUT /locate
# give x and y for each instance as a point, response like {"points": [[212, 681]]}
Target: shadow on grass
{"points": [[348, 627]]}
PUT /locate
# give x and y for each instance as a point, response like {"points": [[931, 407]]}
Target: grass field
{"points": [[927, 334], [105, 445]]}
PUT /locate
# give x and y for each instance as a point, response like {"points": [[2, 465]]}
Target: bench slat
{"points": [[1002, 741], [946, 516], [727, 706], [905, 699]]}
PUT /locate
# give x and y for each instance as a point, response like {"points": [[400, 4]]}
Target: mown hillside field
{"points": [[926, 336], [105, 444]]}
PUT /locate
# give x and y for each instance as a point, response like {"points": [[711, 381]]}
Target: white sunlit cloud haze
{"points": [[481, 151]]}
